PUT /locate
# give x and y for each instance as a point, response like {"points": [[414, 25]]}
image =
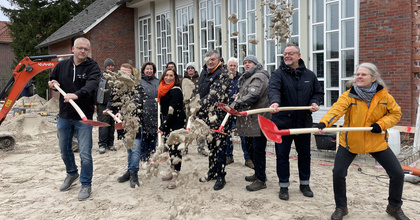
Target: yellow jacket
{"points": [[383, 110]]}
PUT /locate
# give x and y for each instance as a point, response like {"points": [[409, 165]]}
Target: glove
{"points": [[376, 128], [321, 125]]}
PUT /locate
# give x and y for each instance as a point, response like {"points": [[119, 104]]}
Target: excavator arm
{"points": [[26, 69]]}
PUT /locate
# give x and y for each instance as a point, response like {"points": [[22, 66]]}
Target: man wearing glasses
{"points": [[294, 85], [79, 77]]}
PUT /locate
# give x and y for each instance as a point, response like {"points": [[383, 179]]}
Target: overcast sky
{"points": [[6, 4]]}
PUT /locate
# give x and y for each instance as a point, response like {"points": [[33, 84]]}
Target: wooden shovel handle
{"points": [[113, 116], [314, 130], [75, 106], [261, 110]]}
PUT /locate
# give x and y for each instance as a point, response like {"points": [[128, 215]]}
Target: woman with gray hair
{"points": [[366, 104]]}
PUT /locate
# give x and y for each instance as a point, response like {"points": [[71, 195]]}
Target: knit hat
{"points": [[252, 59], [190, 64], [108, 62]]}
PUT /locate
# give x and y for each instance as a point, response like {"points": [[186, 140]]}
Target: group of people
{"points": [[366, 103]]}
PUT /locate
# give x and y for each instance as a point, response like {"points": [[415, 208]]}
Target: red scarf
{"points": [[164, 88]]}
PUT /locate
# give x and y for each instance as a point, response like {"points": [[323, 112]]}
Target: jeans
{"points": [[246, 144], [106, 134], [388, 161], [65, 131], [148, 145], [217, 155], [133, 156], [259, 144], [303, 148]]}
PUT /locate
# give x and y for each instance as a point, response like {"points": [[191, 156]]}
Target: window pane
{"points": [[271, 52], [233, 7], [251, 47], [158, 30], [211, 30], [347, 33], [242, 9], [295, 25], [332, 74], [234, 47], [333, 96], [203, 38], [191, 34], [318, 37], [242, 53], [347, 7], [347, 63], [242, 32], [251, 22], [210, 8], [318, 11], [190, 15], [332, 16], [295, 3], [251, 4], [218, 18], [218, 33], [332, 45], [203, 18], [319, 65]]}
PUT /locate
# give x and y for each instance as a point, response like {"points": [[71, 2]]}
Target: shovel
{"points": [[119, 124], [80, 112], [271, 131], [220, 130], [232, 111]]}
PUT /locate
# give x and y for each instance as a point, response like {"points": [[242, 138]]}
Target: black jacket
{"points": [[81, 80], [212, 87], [289, 87], [173, 99]]}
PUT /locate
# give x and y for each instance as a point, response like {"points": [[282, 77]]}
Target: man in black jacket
{"points": [[294, 85], [213, 87], [79, 77], [106, 134]]}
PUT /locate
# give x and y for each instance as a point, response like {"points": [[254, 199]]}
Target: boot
{"points": [[134, 180], [169, 176], [125, 177], [172, 183], [396, 212], [339, 213]]}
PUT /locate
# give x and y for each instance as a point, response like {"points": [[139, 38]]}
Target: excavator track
{"points": [[7, 142]]}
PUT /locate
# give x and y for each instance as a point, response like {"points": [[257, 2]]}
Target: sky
{"points": [[6, 4]]}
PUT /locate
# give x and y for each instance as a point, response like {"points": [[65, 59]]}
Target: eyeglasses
{"points": [[290, 53], [82, 48], [190, 68]]}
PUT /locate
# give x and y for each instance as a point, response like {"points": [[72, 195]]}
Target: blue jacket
{"points": [[290, 87]]}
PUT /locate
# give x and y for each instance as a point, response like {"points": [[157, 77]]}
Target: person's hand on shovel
{"points": [[314, 108], [320, 127], [275, 106], [68, 96]]}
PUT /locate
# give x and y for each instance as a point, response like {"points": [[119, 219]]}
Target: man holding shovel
{"points": [[79, 77], [294, 85]]}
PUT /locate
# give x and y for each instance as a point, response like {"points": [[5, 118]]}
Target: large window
{"points": [[333, 45], [145, 51], [210, 27], [274, 50], [163, 41], [184, 37], [243, 31]]}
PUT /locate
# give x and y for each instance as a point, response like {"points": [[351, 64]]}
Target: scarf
{"points": [[366, 94], [164, 88]]}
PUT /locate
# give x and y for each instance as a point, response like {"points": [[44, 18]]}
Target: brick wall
{"points": [[6, 63], [416, 57], [385, 38], [112, 38]]}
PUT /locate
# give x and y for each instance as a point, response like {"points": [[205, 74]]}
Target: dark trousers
{"points": [[246, 143], [259, 144], [388, 161], [148, 145], [174, 154], [106, 134], [303, 148], [217, 156]]}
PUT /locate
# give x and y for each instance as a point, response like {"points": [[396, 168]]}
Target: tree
{"points": [[33, 21]]}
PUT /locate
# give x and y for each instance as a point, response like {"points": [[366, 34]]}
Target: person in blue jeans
{"points": [[133, 152], [79, 77]]}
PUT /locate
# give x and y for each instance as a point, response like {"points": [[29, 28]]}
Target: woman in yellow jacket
{"points": [[366, 104]]}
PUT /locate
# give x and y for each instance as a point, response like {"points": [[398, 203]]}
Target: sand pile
{"points": [[35, 99], [51, 106]]}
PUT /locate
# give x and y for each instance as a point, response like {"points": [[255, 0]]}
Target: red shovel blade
{"points": [[119, 126], [220, 130], [228, 109], [270, 129], [93, 123]]}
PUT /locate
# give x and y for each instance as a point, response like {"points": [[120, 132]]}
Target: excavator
{"points": [[26, 69]]}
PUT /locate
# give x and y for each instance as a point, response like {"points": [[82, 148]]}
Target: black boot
{"points": [[220, 183], [125, 177], [134, 180]]}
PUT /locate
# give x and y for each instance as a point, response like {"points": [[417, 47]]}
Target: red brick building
{"points": [[6, 54]]}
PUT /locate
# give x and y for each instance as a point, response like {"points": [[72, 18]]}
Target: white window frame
{"points": [[184, 50], [145, 49], [163, 41]]}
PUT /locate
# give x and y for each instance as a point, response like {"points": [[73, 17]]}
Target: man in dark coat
{"points": [[212, 87], [294, 85], [79, 77]]}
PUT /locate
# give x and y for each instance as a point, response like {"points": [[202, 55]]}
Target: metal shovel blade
{"points": [[118, 126], [270, 129], [228, 109], [94, 123]]}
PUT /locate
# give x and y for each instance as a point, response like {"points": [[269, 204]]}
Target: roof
{"points": [[82, 22], [5, 33]]}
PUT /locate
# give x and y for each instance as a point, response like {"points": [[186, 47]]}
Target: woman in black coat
{"points": [[171, 101]]}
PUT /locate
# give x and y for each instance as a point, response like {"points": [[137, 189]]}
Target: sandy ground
{"points": [[31, 174]]}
